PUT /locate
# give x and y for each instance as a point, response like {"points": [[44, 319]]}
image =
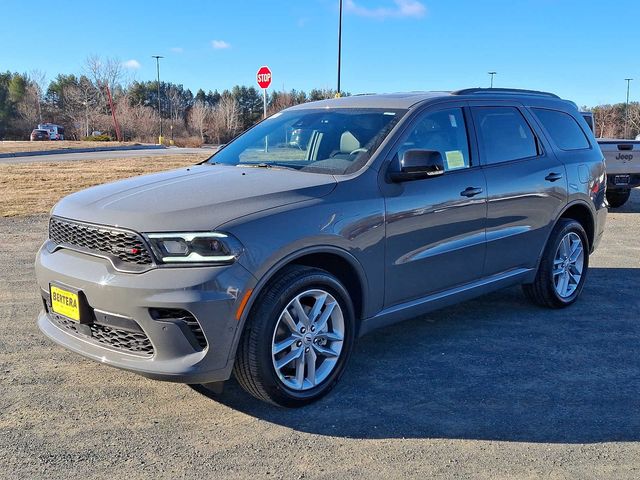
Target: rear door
{"points": [[526, 185], [435, 227]]}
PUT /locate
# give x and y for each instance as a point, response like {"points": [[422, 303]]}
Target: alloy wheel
{"points": [[568, 265], [308, 339]]}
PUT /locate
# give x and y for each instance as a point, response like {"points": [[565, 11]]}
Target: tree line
{"points": [[80, 104], [610, 120]]}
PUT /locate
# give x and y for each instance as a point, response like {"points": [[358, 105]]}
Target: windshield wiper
{"points": [[265, 165]]}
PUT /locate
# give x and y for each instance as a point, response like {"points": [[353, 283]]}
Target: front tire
{"points": [[617, 198], [298, 338], [563, 267]]}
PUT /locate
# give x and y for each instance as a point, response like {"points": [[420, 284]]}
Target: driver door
{"points": [[435, 227]]}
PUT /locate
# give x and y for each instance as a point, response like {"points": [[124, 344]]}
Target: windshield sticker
{"points": [[389, 113], [455, 159]]}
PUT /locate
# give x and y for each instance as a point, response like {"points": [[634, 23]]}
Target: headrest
{"points": [[348, 143]]}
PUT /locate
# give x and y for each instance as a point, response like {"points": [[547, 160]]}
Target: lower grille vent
{"points": [[186, 318]]}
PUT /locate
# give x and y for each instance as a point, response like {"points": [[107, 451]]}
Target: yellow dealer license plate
{"points": [[65, 303]]}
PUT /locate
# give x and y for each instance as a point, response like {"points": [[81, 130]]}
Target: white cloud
{"points": [[131, 64], [402, 9], [177, 49], [220, 44]]}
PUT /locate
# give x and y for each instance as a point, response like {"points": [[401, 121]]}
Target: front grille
{"points": [[117, 338], [184, 317], [123, 245], [130, 341]]}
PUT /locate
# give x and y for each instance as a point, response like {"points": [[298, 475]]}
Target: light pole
{"points": [[491, 74], [86, 117], [158, 57], [339, 47], [626, 108]]}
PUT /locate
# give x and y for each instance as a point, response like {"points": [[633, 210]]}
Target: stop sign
{"points": [[264, 77]]}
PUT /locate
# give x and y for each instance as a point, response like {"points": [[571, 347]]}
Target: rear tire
{"points": [[563, 267], [617, 198], [298, 338]]}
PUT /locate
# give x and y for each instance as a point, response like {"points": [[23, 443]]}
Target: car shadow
{"points": [[496, 368]]}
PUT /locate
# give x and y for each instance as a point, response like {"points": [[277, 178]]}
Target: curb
{"points": [[81, 150]]}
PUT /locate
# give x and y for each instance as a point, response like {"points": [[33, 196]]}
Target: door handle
{"points": [[471, 192], [552, 177]]}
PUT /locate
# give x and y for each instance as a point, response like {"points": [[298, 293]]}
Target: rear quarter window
{"points": [[563, 129]]}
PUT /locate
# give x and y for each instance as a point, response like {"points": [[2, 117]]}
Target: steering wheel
{"points": [[357, 150]]}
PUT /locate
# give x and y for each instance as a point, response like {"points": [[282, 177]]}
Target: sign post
{"points": [[263, 78]]}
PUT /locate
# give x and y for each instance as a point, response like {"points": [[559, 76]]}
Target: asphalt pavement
{"points": [[71, 156]]}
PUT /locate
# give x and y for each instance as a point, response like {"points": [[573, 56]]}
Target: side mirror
{"points": [[416, 165]]}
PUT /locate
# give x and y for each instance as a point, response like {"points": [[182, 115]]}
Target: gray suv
{"points": [[268, 260]]}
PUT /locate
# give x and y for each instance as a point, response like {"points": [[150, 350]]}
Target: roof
{"points": [[384, 100], [409, 99]]}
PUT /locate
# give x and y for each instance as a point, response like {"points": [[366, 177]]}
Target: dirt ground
{"points": [[32, 188], [10, 146], [494, 388]]}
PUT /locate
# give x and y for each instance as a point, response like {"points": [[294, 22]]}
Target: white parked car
{"points": [[56, 132]]}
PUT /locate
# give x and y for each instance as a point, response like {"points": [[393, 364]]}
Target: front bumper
{"points": [[211, 295]]}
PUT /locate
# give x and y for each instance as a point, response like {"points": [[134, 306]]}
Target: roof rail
{"points": [[512, 91]]}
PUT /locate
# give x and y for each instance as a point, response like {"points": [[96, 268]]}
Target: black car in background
{"points": [[38, 135]]}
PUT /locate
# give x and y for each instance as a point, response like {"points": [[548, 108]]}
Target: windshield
{"points": [[321, 141]]}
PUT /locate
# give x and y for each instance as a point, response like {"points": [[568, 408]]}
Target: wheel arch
{"points": [[330, 258], [581, 213]]}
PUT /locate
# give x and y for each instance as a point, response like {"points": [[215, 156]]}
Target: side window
{"points": [[443, 131], [505, 134], [563, 129]]}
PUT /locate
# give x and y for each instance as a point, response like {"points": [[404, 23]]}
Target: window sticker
{"points": [[452, 120], [455, 159]]}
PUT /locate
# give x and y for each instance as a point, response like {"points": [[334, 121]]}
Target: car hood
{"points": [[201, 197]]}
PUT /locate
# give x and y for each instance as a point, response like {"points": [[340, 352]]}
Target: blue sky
{"points": [[581, 50]]}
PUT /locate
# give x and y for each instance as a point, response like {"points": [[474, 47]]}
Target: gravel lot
{"points": [[493, 388]]}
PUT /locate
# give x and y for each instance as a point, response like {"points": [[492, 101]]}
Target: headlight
{"points": [[195, 247]]}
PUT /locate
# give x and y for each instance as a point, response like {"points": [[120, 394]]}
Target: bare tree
{"points": [[177, 104], [103, 73], [29, 107], [198, 116], [280, 101], [225, 119], [138, 122], [634, 118], [607, 121], [39, 80], [74, 110]]}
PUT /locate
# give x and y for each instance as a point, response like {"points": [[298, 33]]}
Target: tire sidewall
{"points": [[267, 315]]}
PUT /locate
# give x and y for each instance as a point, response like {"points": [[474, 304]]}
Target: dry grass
{"points": [[18, 146], [32, 188]]}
